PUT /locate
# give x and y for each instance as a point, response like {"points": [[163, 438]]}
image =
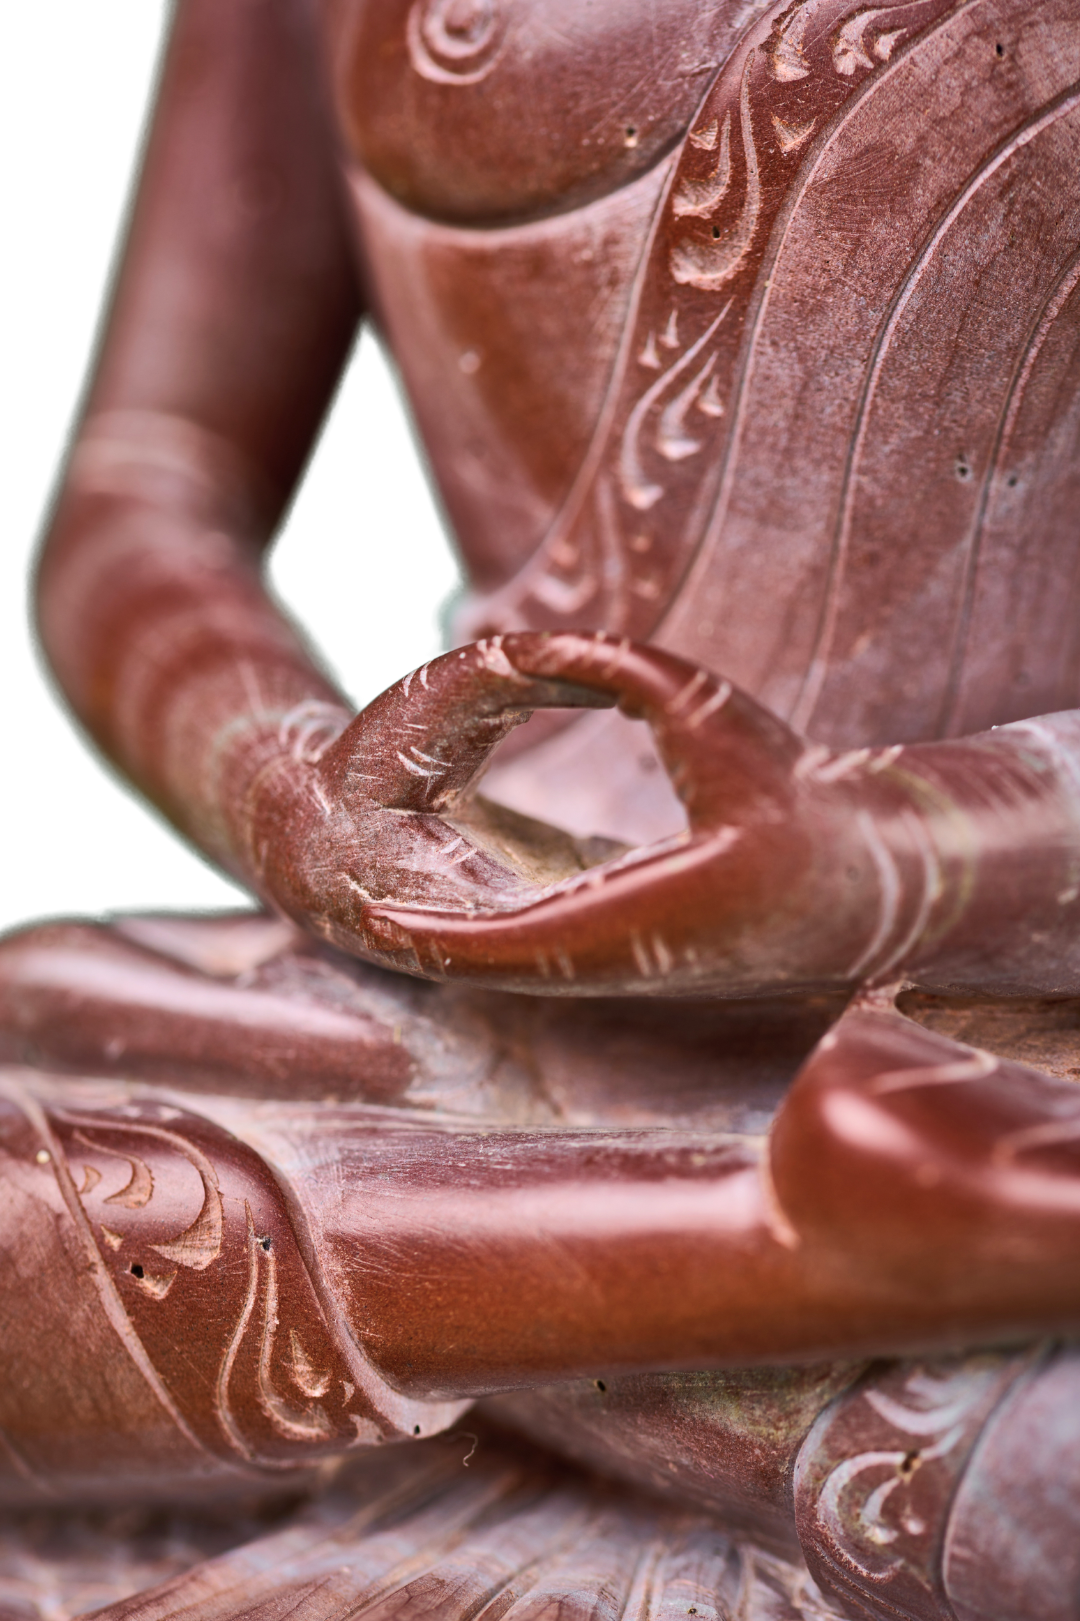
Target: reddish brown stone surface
{"points": [[724, 1137]]}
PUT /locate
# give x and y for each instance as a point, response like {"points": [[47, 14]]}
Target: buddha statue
{"points": [[651, 1186]]}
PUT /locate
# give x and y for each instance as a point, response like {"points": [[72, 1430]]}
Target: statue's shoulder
{"points": [[485, 111]]}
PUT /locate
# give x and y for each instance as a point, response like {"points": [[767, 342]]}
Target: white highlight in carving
{"points": [[710, 707], [415, 769], [112, 1305], [562, 595], [636, 487], [200, 1244], [1031, 1138], [788, 63], [649, 358], [885, 44], [951, 1400], [888, 892], [307, 730], [295, 1423], [138, 1189], [790, 137], [641, 956], [709, 265], [931, 889], [850, 48], [222, 1404], [673, 441], [828, 1508], [682, 698], [156, 1288], [447, 54], [698, 198], [975, 1068]]}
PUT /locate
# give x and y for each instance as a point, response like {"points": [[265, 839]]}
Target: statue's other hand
{"points": [[380, 846]]}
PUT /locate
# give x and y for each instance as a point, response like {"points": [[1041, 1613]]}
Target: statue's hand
{"points": [[791, 872]]}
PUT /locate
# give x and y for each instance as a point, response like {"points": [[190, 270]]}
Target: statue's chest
{"points": [[490, 111]]}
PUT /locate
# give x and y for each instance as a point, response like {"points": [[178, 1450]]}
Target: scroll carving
{"points": [[603, 561]]}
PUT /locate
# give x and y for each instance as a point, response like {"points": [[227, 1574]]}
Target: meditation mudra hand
{"points": [[801, 867], [719, 1137]]}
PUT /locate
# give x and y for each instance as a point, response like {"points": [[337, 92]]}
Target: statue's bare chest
{"points": [[808, 412], [487, 111]]}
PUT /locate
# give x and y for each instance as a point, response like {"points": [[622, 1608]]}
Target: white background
{"points": [[363, 561]]}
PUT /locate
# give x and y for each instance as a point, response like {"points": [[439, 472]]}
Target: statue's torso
{"points": [[865, 511]]}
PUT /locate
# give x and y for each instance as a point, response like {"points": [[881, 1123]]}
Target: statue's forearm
{"points": [[233, 313], [976, 842], [161, 633]]}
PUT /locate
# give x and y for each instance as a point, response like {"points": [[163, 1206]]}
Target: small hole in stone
{"points": [[963, 469], [265, 1242], [999, 50], [1013, 480], [630, 137], [136, 1270], [716, 233], [416, 1429], [908, 1465], [600, 1385]]}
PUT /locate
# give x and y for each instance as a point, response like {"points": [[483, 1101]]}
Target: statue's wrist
{"points": [[993, 821], [263, 774]]}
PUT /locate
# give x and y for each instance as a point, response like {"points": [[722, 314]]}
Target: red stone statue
{"points": [[723, 1144]]}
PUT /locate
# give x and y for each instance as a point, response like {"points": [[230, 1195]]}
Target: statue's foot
{"points": [[756, 1232], [247, 1005], [470, 1253]]}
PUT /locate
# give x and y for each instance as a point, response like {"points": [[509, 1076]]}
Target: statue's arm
{"points": [[233, 313], [946, 863]]}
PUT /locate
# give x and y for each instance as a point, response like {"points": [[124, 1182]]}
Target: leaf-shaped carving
{"points": [[708, 264], [699, 197], [200, 1244], [790, 137], [636, 486], [673, 441], [786, 52], [308, 1423], [137, 1190], [156, 1287], [306, 1377], [850, 48]]}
